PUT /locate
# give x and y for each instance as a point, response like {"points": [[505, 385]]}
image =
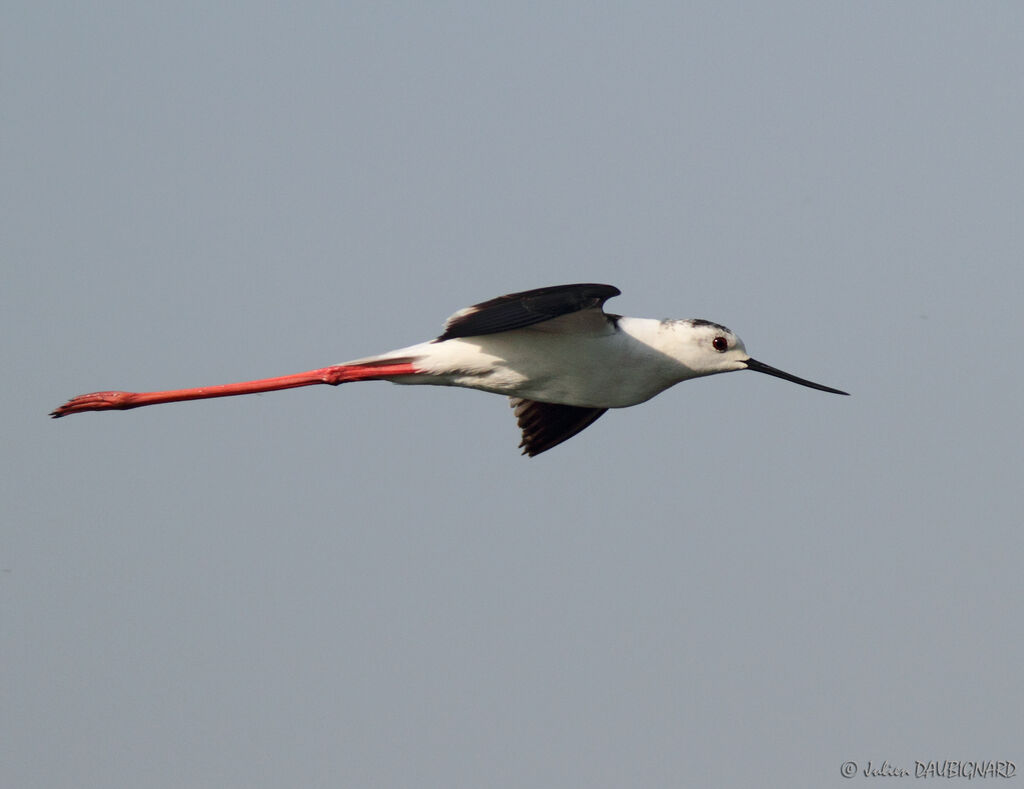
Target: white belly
{"points": [[612, 370]]}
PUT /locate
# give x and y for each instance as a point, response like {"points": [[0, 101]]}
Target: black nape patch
{"points": [[701, 322]]}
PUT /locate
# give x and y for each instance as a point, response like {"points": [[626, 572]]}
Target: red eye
{"points": [[720, 344]]}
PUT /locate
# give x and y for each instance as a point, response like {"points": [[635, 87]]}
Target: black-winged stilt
{"points": [[554, 351]]}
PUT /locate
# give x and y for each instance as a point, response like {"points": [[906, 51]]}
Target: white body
{"points": [[581, 359]]}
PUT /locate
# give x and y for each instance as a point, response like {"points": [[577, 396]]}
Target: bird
{"points": [[560, 358]]}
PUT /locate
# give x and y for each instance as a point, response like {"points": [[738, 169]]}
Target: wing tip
{"points": [[546, 425]]}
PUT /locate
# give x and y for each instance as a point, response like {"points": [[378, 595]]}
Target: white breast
{"points": [[611, 369]]}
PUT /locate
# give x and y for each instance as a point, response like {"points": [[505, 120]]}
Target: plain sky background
{"points": [[740, 583]]}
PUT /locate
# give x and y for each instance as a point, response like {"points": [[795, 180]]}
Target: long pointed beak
{"points": [[761, 367]]}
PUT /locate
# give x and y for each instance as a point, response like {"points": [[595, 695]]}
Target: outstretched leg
{"points": [[337, 374]]}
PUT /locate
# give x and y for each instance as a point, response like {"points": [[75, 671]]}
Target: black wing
{"points": [[547, 425], [517, 310]]}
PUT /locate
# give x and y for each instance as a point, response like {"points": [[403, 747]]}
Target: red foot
{"points": [[94, 401]]}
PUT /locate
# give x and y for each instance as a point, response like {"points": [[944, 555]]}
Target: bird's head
{"points": [[713, 348]]}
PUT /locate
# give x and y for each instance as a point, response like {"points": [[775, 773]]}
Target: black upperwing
{"points": [[543, 425], [517, 310]]}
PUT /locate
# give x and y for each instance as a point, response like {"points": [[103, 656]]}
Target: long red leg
{"points": [[338, 374]]}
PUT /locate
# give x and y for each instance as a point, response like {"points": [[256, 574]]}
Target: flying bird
{"points": [[561, 359]]}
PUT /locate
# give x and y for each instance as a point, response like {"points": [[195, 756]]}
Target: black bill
{"points": [[761, 367]]}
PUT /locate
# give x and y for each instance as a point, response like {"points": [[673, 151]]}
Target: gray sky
{"points": [[742, 582]]}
